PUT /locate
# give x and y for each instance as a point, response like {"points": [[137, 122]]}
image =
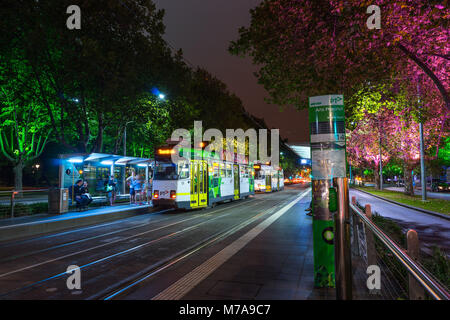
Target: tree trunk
{"points": [[376, 177], [409, 190], [18, 170], [99, 140]]}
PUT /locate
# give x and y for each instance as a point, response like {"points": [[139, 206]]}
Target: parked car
{"points": [[439, 186]]}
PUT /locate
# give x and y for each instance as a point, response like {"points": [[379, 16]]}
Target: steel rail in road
{"points": [[169, 235], [65, 244], [433, 287], [78, 241], [153, 270]]}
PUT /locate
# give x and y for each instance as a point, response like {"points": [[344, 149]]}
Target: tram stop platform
{"points": [[26, 226]]}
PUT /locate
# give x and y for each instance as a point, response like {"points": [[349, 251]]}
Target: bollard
{"points": [[416, 291], [343, 257], [371, 253]]}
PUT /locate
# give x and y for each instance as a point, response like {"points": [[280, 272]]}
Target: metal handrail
{"points": [[22, 191], [428, 283]]}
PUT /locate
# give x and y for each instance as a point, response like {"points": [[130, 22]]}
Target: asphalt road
{"points": [[113, 255], [432, 230]]}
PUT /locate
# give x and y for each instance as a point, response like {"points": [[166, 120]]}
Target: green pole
{"points": [[328, 158]]}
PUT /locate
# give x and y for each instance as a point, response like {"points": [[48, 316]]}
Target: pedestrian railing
{"points": [[376, 254], [15, 203]]}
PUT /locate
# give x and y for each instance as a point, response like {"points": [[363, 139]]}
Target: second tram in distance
{"points": [[268, 178]]}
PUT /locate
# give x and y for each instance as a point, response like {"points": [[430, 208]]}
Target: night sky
{"points": [[203, 29]]}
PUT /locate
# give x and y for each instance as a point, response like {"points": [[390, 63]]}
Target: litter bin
{"points": [[58, 200]]}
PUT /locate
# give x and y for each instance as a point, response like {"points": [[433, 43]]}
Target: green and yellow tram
{"points": [[201, 181]]}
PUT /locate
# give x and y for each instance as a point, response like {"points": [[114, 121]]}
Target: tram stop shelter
{"points": [[96, 168]]}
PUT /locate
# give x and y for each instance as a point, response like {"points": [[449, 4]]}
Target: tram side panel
{"points": [[274, 175], [220, 182], [281, 179]]}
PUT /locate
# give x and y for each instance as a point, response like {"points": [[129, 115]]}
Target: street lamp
{"points": [[423, 181]]}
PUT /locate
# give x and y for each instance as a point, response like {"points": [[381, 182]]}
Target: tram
{"points": [[203, 181], [268, 178]]}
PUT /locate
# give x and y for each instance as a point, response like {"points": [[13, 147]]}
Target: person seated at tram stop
{"points": [[85, 193], [76, 192]]}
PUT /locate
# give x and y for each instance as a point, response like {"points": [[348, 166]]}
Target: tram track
{"points": [[117, 254], [114, 242], [143, 225], [161, 264], [137, 279]]}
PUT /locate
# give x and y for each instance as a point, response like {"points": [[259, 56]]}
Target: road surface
{"points": [[432, 230], [113, 255]]}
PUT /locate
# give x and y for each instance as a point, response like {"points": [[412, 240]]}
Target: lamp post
{"points": [[124, 154], [381, 167], [125, 138], [423, 182]]}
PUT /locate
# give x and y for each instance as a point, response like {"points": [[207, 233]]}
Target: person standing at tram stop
{"points": [[138, 189], [148, 190], [110, 188], [130, 180]]}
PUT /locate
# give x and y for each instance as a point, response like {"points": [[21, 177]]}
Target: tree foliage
{"points": [[313, 47]]}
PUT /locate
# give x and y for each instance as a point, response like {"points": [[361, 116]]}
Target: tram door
{"points": [[236, 181], [268, 181], [203, 188], [198, 183]]}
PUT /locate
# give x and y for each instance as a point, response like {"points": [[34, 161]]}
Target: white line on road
{"points": [[180, 288], [122, 240]]}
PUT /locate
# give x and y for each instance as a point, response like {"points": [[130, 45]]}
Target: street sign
{"points": [[327, 139]]}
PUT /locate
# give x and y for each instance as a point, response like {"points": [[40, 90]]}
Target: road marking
{"points": [[180, 288], [124, 239]]}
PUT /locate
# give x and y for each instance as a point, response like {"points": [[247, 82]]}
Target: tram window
{"points": [[183, 171], [166, 171], [259, 174], [228, 172], [222, 171], [216, 172]]}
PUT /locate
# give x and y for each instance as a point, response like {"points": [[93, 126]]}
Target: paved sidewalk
{"points": [[277, 264]]}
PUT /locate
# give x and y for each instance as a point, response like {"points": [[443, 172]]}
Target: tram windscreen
{"points": [[165, 171], [259, 174]]}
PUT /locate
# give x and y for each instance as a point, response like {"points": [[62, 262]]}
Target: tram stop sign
{"points": [[328, 158]]}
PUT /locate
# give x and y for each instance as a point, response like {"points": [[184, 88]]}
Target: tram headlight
{"points": [[173, 194], [156, 194]]}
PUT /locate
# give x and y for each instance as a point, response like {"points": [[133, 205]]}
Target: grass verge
{"points": [[436, 205]]}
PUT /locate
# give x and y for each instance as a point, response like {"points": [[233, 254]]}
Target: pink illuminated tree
{"points": [[365, 141], [398, 134], [312, 47]]}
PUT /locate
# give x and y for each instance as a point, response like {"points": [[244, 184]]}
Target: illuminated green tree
{"points": [[23, 126]]}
